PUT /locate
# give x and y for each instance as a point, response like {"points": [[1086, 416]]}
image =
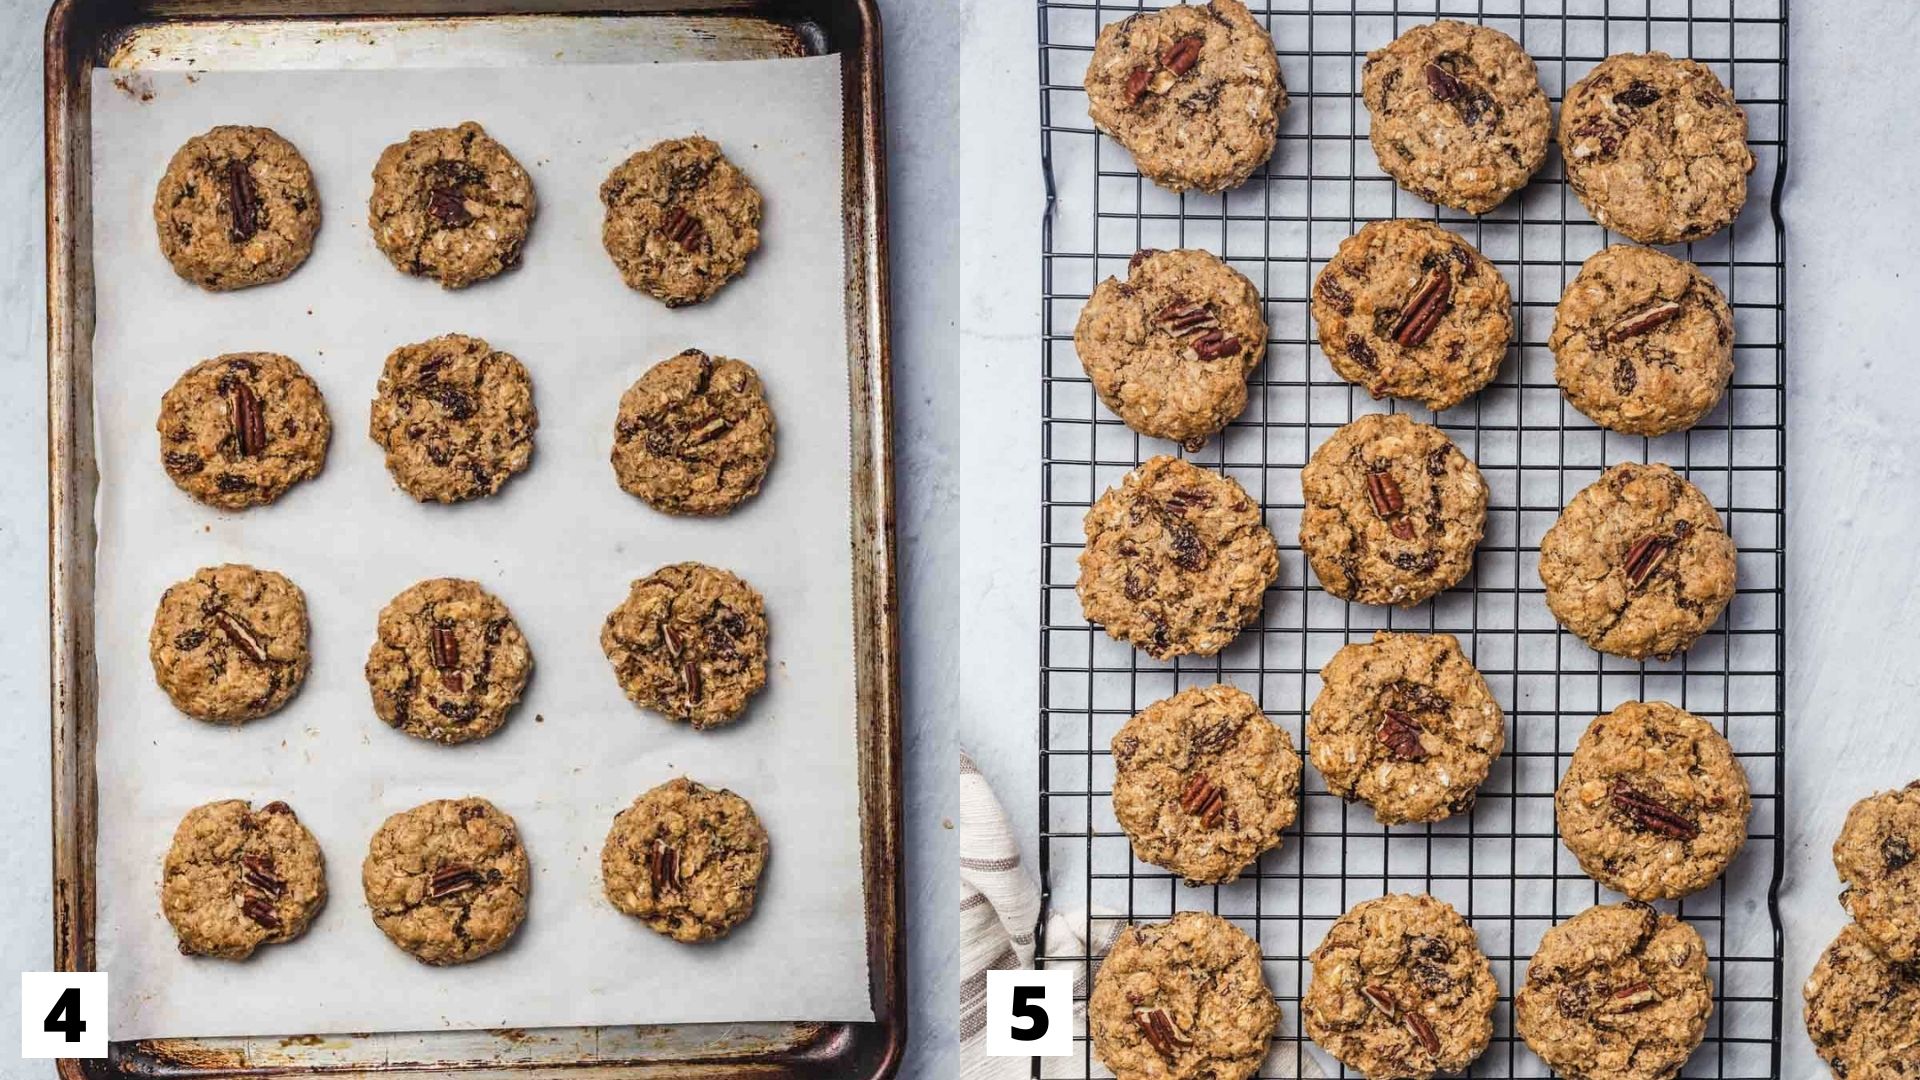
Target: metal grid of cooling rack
{"points": [[1502, 866]]}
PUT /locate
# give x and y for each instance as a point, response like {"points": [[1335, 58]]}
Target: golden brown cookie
{"points": [[447, 880], [694, 435], [681, 220], [689, 642], [1182, 1000], [1878, 857], [237, 878], [240, 429], [450, 204], [236, 207], [229, 644], [686, 860], [1863, 1011], [448, 662], [456, 418]]}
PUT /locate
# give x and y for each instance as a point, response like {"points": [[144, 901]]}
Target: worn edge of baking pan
{"points": [[77, 32]]}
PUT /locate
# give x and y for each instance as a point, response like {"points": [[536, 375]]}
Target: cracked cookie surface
{"points": [[240, 429], [1638, 563], [229, 644], [447, 880], [694, 435], [448, 662], [1863, 1010], [1401, 990], [1878, 857], [1406, 724], [1654, 803], [681, 220], [237, 878], [686, 860], [1193, 91], [690, 643], [1182, 1000], [1170, 348], [1177, 561], [1204, 783], [450, 204], [236, 207], [455, 416], [1656, 147]]}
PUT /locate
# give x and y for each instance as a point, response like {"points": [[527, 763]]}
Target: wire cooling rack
{"points": [[1502, 866]]}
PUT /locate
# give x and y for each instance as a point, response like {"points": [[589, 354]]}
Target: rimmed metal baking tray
{"points": [[130, 34]]}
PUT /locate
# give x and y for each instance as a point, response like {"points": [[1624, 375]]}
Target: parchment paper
{"points": [[560, 545]]}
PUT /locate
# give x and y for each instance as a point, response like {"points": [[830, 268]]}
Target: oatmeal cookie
{"points": [[681, 220], [694, 435], [240, 429], [1876, 857], [236, 207], [1182, 1000], [448, 662], [686, 860], [447, 880], [237, 878], [455, 417], [689, 642], [229, 644], [1863, 1011], [450, 204]]}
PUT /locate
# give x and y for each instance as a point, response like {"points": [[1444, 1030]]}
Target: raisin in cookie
{"points": [[237, 878], [1863, 1011], [689, 642], [236, 207], [450, 204], [1401, 990], [1458, 116], [1178, 560], [1642, 341], [681, 220], [686, 860], [1405, 723], [1203, 783], [455, 417], [447, 880], [1192, 91], [240, 429], [694, 435], [1638, 564], [1169, 349], [1654, 803], [1618, 992], [1876, 857], [1393, 511], [1182, 1000], [229, 644], [448, 662], [1656, 148]]}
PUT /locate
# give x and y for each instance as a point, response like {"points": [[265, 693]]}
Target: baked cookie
{"points": [[1638, 564], [1177, 560], [447, 880], [229, 644], [1409, 310], [1203, 783], [681, 220], [1642, 341], [1182, 1000], [685, 859], [455, 417], [448, 662], [689, 642], [1401, 990], [1192, 91], [1863, 1011], [240, 429], [1458, 116], [236, 207], [1169, 349], [1618, 992], [1654, 803], [450, 204], [1656, 148], [1405, 723], [1876, 857], [237, 878], [694, 435], [1393, 511]]}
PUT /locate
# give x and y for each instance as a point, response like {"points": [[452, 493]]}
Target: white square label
{"points": [[63, 1014], [1029, 1013]]}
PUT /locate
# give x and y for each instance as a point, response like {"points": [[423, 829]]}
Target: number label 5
{"points": [[1029, 1013], [63, 1014]]}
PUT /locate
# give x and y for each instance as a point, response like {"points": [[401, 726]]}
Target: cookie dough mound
{"points": [[448, 663], [689, 642], [1405, 723], [1656, 148], [694, 435], [1204, 783], [1182, 1000], [1409, 310], [447, 880], [1401, 990], [236, 207], [450, 204], [681, 220], [1192, 91], [1178, 560], [237, 878], [455, 417], [1654, 803], [1642, 341], [1878, 857], [1863, 1010], [229, 644], [1638, 564], [1458, 115], [240, 429], [1618, 992], [1169, 349], [686, 860]]}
